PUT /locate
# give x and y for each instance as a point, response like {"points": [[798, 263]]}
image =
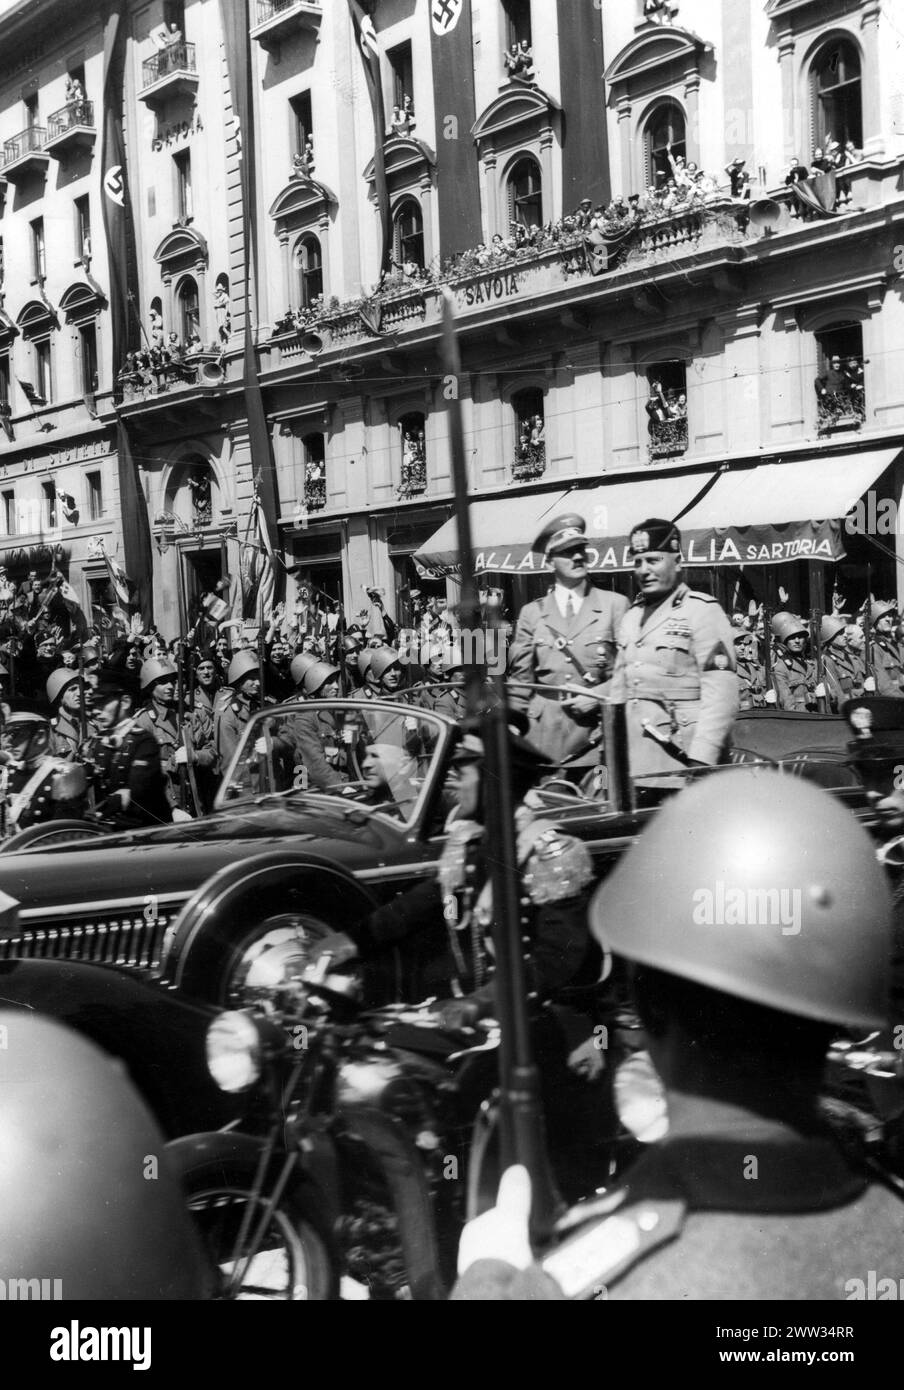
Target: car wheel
{"points": [[278, 1255], [52, 833]]}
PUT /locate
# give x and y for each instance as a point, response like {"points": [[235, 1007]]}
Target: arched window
{"points": [[664, 128], [314, 472], [309, 265], [835, 86], [414, 454], [525, 192], [189, 313], [666, 408], [530, 433], [840, 383], [408, 239]]}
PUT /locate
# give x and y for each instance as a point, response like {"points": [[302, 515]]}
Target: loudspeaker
{"points": [[767, 216], [212, 373], [313, 343]]}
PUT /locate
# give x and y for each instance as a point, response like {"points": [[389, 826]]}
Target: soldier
{"points": [[66, 696], [201, 728], [843, 672], [129, 782], [239, 703], [384, 673], [317, 736], [676, 663], [441, 925], [565, 639], [36, 786], [886, 658], [793, 674], [751, 676], [750, 1195], [157, 683]]}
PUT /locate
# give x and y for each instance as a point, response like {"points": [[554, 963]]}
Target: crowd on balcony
{"points": [[530, 450], [830, 158], [167, 359], [840, 396], [667, 420]]}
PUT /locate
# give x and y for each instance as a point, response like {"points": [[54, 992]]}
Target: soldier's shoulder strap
{"points": [[587, 1264]]}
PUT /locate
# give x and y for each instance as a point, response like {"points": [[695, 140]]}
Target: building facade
{"points": [[669, 360]]}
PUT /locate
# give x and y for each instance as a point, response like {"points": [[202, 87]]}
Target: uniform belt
{"points": [[680, 694], [553, 692]]}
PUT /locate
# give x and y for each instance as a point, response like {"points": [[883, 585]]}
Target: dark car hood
{"points": [[177, 859]]}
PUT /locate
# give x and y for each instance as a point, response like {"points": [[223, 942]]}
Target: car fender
{"points": [[231, 1148], [335, 893]]}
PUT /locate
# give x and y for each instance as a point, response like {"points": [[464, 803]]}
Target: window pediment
{"points": [[779, 9], [515, 107], [181, 247], [38, 316], [302, 200], [654, 50], [406, 161], [8, 329], [82, 300]]}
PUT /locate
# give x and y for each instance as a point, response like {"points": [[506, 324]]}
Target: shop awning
{"points": [[769, 514]]}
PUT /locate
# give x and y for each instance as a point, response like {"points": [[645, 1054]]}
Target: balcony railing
{"points": [[177, 57], [530, 461], [272, 9], [277, 19], [668, 438], [414, 471], [840, 410], [315, 494], [25, 147], [78, 114]]}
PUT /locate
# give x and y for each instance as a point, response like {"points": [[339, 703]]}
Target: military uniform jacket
{"points": [[794, 679], [553, 651], [230, 719], [165, 729], [692, 1222], [677, 672], [319, 749], [843, 675], [443, 923], [37, 794], [751, 685], [128, 759], [66, 736], [887, 667]]}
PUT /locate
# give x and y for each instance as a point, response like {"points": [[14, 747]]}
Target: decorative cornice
{"points": [[654, 49]]}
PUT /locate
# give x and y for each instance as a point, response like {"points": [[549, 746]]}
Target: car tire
{"points": [[295, 1261], [52, 833]]}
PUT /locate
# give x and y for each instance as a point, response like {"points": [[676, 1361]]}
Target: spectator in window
{"points": [[819, 162], [797, 172], [657, 406], [738, 178], [832, 385], [678, 407], [538, 431]]}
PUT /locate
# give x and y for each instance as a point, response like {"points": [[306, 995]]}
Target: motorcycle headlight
{"points": [[234, 1051]]}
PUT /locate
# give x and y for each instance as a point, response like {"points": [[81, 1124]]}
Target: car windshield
{"points": [[368, 754]]}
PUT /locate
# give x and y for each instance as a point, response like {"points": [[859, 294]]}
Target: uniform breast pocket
{"points": [[674, 654]]}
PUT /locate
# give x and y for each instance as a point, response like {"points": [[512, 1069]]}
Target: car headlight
{"points": [[234, 1051]]}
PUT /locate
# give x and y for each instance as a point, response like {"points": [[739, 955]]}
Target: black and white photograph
{"points": [[452, 664]]}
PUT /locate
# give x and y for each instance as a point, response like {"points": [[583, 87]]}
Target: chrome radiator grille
{"points": [[124, 939]]}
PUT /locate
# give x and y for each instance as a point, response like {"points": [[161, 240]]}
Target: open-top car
{"points": [[327, 809]]}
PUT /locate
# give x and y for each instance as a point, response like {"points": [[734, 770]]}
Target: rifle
{"points": [[816, 644], [189, 746], [180, 696], [523, 1139]]}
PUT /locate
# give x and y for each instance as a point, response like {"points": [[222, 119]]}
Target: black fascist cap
{"points": [[655, 534], [562, 531], [114, 680]]}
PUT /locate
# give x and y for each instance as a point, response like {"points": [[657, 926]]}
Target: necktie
{"points": [[570, 607]]}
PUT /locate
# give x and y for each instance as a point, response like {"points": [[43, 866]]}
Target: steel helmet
{"points": [[241, 665], [453, 658], [830, 628], [60, 680], [300, 665], [84, 1205], [317, 675], [382, 659], [785, 625], [365, 657], [762, 886], [880, 608], [157, 669], [350, 644], [21, 717]]}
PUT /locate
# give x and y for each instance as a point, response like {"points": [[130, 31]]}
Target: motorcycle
{"points": [[371, 1137]]}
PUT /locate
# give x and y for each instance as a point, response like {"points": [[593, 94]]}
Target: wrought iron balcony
{"points": [[71, 128], [668, 438], [25, 154], [315, 494], [279, 19], [414, 473], [840, 410], [530, 461], [170, 73]]}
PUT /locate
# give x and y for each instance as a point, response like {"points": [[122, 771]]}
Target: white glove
{"points": [[870, 684], [502, 1232], [820, 691], [260, 747], [771, 697], [180, 757]]}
